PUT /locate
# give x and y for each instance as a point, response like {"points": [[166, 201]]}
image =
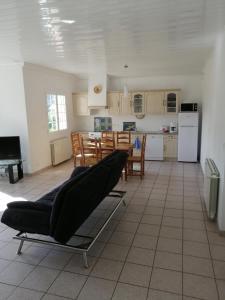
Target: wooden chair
{"points": [[123, 137], [89, 151], [108, 134], [76, 148], [106, 146], [134, 159]]}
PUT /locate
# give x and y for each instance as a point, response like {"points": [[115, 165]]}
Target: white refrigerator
{"points": [[188, 136]]}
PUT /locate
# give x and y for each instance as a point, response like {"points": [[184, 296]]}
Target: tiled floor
{"points": [[159, 247]]}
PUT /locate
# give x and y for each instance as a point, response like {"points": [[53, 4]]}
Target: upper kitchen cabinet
{"points": [[125, 104], [172, 101], [80, 104], [155, 102], [113, 99], [138, 102]]}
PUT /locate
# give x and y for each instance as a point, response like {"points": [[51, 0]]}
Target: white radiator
{"points": [[211, 187], [60, 150]]}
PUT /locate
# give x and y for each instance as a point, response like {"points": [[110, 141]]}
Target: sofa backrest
{"points": [[79, 196]]}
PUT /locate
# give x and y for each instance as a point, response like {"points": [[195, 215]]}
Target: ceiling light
{"points": [[68, 21]]}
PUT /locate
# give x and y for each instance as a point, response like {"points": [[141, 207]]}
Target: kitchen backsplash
{"points": [[149, 122]]}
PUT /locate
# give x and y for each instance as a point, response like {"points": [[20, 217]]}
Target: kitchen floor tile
{"points": [[96, 289], [199, 287], [129, 292], [166, 280], [159, 295], [107, 269], [135, 274], [140, 256], [170, 261], [67, 285]]}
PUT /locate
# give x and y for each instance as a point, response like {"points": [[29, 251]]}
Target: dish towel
{"points": [[137, 143]]}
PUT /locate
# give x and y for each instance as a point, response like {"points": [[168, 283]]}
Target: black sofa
{"points": [[61, 212]]}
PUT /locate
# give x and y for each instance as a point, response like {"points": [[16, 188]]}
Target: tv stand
{"points": [[9, 164]]}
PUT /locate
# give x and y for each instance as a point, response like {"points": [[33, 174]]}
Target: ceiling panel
{"points": [[151, 36]]}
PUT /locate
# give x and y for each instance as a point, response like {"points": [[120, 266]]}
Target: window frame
{"points": [[57, 95]]}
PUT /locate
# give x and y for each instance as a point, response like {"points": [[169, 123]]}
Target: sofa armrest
{"points": [[78, 170], [30, 205]]}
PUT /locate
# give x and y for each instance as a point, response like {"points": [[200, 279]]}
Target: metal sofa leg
{"points": [[85, 259], [20, 248]]}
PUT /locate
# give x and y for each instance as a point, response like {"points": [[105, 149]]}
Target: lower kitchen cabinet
{"points": [[170, 146]]}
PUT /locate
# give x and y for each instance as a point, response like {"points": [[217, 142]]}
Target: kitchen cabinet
{"points": [[114, 100], [138, 103], [154, 147], [125, 104], [170, 146], [155, 102], [80, 104], [172, 101]]}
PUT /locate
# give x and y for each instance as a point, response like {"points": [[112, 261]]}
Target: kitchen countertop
{"points": [[142, 132]]}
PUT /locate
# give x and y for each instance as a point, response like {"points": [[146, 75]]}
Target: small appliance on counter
{"points": [[173, 127], [192, 107]]}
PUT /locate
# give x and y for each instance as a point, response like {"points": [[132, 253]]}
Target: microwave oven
{"points": [[189, 107]]}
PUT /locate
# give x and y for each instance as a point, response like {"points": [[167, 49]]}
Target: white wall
{"points": [[38, 82], [13, 117], [190, 92], [213, 113]]}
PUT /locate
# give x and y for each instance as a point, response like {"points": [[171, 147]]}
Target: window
{"points": [[56, 112]]}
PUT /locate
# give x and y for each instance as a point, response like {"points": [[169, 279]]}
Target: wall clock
{"points": [[97, 89]]}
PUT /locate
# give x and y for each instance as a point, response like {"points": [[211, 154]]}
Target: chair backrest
{"points": [[75, 140], [81, 194], [143, 143], [123, 137], [108, 134]]}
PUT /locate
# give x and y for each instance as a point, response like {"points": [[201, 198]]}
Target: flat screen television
{"points": [[10, 147]]}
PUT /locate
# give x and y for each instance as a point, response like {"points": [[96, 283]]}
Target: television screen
{"points": [[10, 147]]}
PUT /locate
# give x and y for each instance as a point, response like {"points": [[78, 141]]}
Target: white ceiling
{"points": [[154, 37]]}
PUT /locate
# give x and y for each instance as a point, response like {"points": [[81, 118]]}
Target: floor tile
{"points": [[166, 280], [171, 232], [195, 235], [56, 259], [15, 273], [122, 238], [147, 229], [125, 226], [166, 260], [114, 251], [218, 252], [144, 241], [169, 245], [198, 266], [135, 274], [40, 279], [199, 287], [67, 285], [151, 219], [76, 264], [219, 269], [107, 269], [6, 290], [25, 294], [96, 289], [221, 289], [129, 292], [172, 222], [53, 297], [141, 256], [159, 295], [196, 249]]}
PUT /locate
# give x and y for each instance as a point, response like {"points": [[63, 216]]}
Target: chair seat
{"points": [[134, 158]]}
